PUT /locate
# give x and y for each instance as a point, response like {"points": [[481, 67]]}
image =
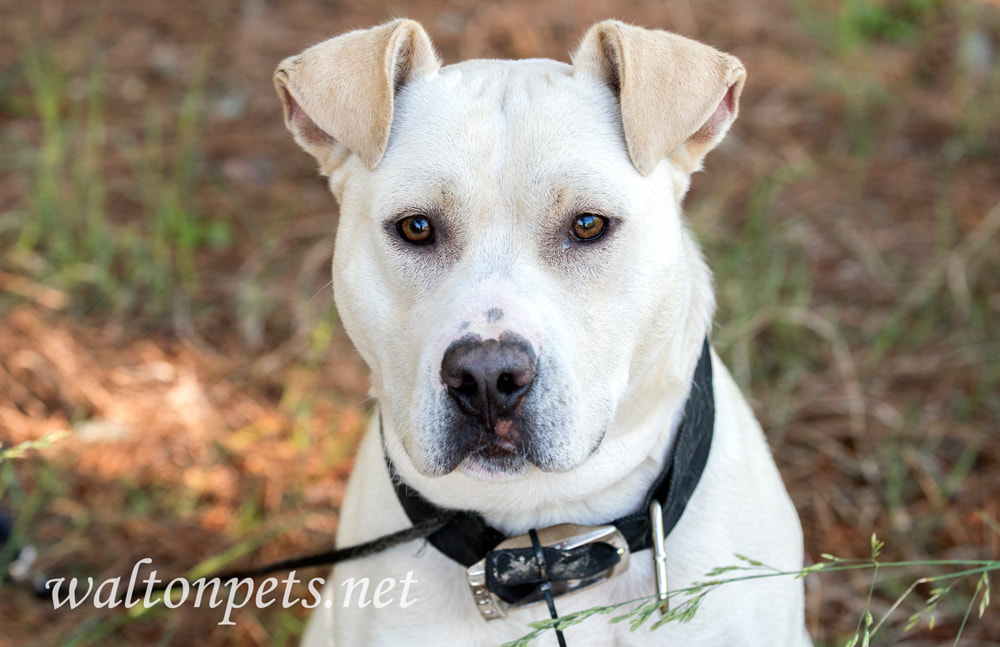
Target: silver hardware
{"points": [[659, 555], [19, 568], [565, 536]]}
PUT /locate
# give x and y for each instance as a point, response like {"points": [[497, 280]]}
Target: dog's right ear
{"points": [[341, 91]]}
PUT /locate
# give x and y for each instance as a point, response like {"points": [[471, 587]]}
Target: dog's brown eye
{"points": [[416, 229], [589, 226]]}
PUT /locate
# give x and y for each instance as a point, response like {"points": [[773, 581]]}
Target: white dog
{"points": [[512, 264]]}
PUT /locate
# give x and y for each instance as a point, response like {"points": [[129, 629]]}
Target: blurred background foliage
{"points": [[164, 295]]}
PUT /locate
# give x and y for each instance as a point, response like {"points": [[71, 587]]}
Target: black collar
{"points": [[467, 538]]}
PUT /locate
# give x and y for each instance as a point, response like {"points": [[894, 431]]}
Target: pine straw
{"points": [[192, 430]]}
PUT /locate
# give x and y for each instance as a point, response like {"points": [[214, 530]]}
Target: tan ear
{"points": [[342, 90], [678, 97]]}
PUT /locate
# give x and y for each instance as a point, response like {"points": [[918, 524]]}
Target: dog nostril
{"points": [[507, 384], [468, 387]]}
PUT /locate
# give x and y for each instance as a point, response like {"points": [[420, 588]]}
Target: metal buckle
{"points": [[659, 555], [565, 536]]}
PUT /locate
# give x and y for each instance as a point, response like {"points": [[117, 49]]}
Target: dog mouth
{"points": [[495, 462], [499, 453]]}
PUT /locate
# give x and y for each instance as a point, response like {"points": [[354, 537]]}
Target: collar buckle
{"points": [[564, 536]]}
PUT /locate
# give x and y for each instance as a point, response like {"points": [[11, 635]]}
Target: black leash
{"points": [[417, 531], [331, 557], [546, 585]]}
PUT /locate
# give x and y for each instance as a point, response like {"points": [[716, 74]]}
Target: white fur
{"points": [[508, 151]]}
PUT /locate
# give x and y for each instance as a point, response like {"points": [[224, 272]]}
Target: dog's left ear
{"points": [[678, 97]]}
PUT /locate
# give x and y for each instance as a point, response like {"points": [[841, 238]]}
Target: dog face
{"points": [[506, 165], [510, 259]]}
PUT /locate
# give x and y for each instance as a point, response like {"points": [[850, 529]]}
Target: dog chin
{"points": [[494, 464]]}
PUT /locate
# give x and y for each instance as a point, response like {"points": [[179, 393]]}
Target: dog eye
{"points": [[589, 226], [416, 229]]}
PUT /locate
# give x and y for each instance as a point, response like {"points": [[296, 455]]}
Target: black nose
{"points": [[489, 379]]}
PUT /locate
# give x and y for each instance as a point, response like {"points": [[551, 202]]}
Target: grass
{"points": [[139, 266], [685, 603], [782, 284], [855, 311], [780, 326], [65, 249]]}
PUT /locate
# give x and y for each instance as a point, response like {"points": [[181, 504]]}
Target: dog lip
{"points": [[495, 451], [494, 462], [501, 439]]}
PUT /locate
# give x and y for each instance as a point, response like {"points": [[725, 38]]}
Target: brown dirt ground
{"points": [[193, 406]]}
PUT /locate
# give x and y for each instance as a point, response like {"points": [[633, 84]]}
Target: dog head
{"points": [[511, 260]]}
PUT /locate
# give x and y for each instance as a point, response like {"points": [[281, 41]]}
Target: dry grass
{"points": [[163, 286]]}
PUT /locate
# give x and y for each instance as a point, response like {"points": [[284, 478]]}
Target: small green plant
{"points": [[896, 21], [12, 490], [19, 450]]}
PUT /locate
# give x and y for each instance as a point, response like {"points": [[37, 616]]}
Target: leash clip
{"points": [[659, 555], [564, 536]]}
